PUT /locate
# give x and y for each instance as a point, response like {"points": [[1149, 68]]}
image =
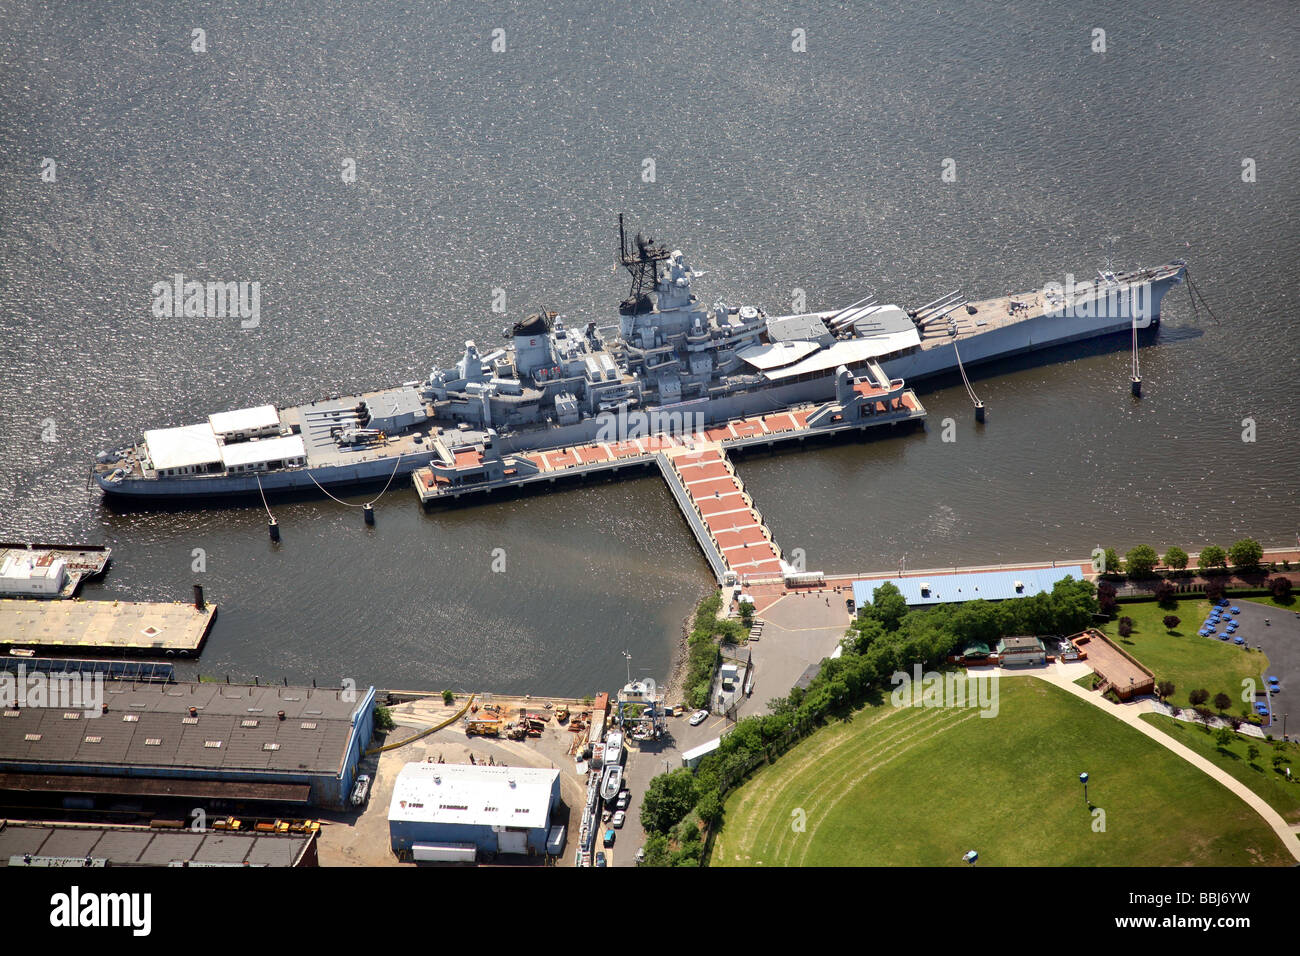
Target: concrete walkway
{"points": [[1064, 675]]}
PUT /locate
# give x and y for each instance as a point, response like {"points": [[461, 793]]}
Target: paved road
{"points": [[800, 629]]}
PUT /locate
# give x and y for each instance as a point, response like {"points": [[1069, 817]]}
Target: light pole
{"points": [[1083, 779], [629, 666]]}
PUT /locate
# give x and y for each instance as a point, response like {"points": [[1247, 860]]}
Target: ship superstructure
{"points": [[668, 364]]}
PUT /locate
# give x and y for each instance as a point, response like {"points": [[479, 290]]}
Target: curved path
{"points": [[1064, 676]]}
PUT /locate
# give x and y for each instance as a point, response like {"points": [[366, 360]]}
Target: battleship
{"points": [[668, 362]]}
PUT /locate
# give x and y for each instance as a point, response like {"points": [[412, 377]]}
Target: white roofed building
{"points": [[285, 451], [245, 423], [438, 809], [188, 450]]}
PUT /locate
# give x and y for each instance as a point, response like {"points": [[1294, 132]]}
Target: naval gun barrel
{"points": [[850, 313], [942, 302], [871, 296], [939, 315]]}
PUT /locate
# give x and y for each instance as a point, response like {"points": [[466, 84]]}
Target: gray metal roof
{"points": [[136, 846], [312, 737]]}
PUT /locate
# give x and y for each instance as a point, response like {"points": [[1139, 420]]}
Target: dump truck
{"points": [[482, 728]]}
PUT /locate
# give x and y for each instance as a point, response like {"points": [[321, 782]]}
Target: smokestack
{"points": [[199, 605]]}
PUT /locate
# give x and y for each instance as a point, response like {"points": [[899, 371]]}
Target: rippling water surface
{"points": [[774, 170]]}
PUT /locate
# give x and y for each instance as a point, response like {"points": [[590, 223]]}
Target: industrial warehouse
{"points": [[60, 844], [455, 812], [267, 745]]}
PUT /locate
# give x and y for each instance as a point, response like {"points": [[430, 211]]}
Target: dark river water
{"points": [[774, 169]]}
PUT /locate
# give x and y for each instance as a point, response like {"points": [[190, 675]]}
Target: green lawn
{"points": [[1280, 793], [920, 787], [1183, 656]]}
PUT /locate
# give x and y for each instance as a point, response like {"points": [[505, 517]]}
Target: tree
{"points": [[1252, 753], [1222, 701], [888, 605], [1165, 689], [709, 807], [1171, 621], [1224, 738], [1278, 760], [1140, 561], [1106, 597], [1198, 697], [747, 613], [383, 719], [1176, 558], [1280, 587], [1110, 562], [1214, 589], [1164, 593], [1204, 715], [448, 697], [669, 797], [1125, 626], [1246, 553], [656, 850], [1211, 558]]}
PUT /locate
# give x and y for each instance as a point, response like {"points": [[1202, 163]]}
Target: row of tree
{"points": [[887, 637], [1141, 561]]}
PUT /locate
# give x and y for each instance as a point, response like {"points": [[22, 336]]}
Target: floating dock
{"points": [[721, 515], [105, 627]]}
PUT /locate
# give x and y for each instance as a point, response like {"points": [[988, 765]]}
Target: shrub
{"points": [[1125, 626], [1106, 597], [1280, 587], [448, 697], [383, 719], [1171, 621]]}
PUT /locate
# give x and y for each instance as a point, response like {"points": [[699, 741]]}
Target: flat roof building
{"points": [[918, 590], [188, 450], [263, 453], [189, 740], [442, 807], [245, 423]]}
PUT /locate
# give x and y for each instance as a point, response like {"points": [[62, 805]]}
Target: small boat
{"points": [[612, 783]]}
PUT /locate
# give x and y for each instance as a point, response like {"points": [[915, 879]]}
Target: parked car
{"points": [[600, 859], [640, 855], [618, 819], [699, 717], [609, 838], [622, 801], [361, 789]]}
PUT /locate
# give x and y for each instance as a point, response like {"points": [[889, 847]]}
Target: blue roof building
{"points": [[924, 591]]}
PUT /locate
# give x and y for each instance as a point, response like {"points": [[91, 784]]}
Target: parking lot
{"points": [[1280, 640]]}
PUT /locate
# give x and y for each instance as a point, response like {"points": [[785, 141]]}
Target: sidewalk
{"points": [[1064, 675]]}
